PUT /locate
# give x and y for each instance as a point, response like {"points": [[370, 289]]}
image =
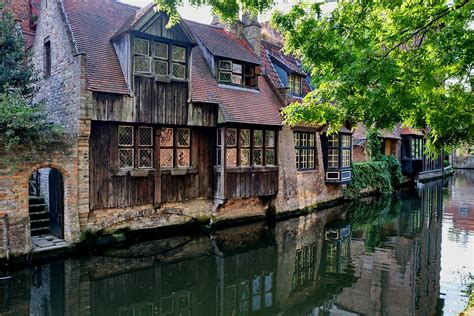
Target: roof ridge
{"points": [[204, 24]]}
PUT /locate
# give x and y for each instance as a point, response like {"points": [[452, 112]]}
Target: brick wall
{"points": [[22, 13], [360, 153]]}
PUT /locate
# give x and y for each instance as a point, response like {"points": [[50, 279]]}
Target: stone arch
{"points": [[47, 209]]}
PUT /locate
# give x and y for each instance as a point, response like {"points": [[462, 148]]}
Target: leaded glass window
{"points": [[257, 147], [235, 73], [167, 148], [231, 144], [142, 64], [161, 51], [333, 158], [184, 144], [141, 46], [133, 152], [175, 150], [294, 84], [245, 147], [179, 62], [305, 147], [270, 148]]}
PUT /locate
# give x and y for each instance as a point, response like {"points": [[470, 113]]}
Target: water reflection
{"points": [[373, 257]]}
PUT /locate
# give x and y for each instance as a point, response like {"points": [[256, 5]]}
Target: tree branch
{"points": [[427, 25]]}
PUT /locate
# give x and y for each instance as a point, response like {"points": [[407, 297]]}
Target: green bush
{"points": [[395, 169], [371, 175]]}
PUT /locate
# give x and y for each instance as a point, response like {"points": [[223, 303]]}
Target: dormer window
{"points": [[236, 73], [294, 84], [153, 58]]}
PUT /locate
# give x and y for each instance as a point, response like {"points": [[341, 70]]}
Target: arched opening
{"points": [[46, 203]]}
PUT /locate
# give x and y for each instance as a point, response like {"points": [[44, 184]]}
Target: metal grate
{"points": [[231, 137], [166, 158], [126, 158], [145, 136], [125, 135], [161, 51], [161, 68], [179, 54], [142, 64], [184, 137], [183, 158], [179, 71], [166, 138], [145, 158]]}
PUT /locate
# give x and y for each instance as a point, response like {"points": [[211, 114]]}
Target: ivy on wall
{"points": [[371, 176]]}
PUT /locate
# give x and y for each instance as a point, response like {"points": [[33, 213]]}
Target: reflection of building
{"points": [[461, 205], [405, 267]]}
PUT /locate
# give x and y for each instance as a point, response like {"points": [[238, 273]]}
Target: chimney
{"points": [[252, 31]]}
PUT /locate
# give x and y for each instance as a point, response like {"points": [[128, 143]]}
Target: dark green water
{"points": [[411, 255]]}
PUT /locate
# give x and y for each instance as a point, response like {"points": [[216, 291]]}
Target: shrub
{"points": [[371, 175], [395, 169]]}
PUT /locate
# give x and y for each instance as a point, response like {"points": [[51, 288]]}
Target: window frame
{"points": [[136, 147], [252, 147], [244, 75], [338, 146], [299, 148], [175, 147], [292, 80], [154, 58]]}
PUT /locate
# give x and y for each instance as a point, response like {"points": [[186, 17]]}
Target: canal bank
{"points": [[377, 256]]}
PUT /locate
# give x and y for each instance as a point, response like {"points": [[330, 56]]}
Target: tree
{"points": [[22, 121], [379, 62]]}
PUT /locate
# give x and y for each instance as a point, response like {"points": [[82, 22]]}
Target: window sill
{"points": [[251, 169], [132, 172], [179, 171]]}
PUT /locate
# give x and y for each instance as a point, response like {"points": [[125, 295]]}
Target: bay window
{"points": [[338, 156]]}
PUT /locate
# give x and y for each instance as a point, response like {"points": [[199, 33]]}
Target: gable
{"points": [[156, 26]]}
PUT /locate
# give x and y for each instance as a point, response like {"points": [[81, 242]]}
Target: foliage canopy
{"points": [[378, 62], [22, 121]]}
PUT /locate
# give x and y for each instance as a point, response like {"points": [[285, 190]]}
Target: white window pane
{"points": [[237, 68]]}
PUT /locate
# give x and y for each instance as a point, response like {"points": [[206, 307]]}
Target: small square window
{"points": [[142, 64], [161, 51], [161, 68], [237, 79], [237, 68], [166, 157], [145, 159], [245, 157], [183, 157], [125, 135], [225, 65], [141, 46], [179, 71], [231, 157], [225, 76], [270, 138], [245, 138], [125, 158], [179, 54], [258, 156], [184, 137], [231, 137], [166, 138], [145, 136]]}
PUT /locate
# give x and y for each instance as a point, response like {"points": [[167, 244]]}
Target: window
{"points": [[175, 143], [159, 59], [135, 147], [294, 83], [339, 144], [246, 147], [236, 73], [416, 148], [304, 267], [305, 147], [47, 58], [333, 151]]}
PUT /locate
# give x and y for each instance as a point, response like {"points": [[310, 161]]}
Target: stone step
{"points": [[39, 215], [39, 231], [44, 224], [34, 200], [37, 208]]}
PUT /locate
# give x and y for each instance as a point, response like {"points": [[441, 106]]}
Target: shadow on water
{"points": [[373, 256]]}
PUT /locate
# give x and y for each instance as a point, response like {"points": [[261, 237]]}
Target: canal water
{"points": [[408, 255]]}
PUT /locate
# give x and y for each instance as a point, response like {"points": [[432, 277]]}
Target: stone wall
{"points": [[20, 10], [360, 153], [14, 198]]}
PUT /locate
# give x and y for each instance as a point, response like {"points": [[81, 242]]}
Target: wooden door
{"points": [[56, 203]]}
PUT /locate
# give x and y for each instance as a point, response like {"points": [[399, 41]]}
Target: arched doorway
{"points": [[46, 203]]}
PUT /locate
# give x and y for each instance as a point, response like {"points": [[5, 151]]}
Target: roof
{"points": [[93, 24], [272, 53], [221, 43], [238, 105], [410, 131], [134, 19], [360, 132]]}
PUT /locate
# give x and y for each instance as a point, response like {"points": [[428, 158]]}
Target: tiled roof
{"points": [[239, 105], [360, 132], [269, 51], [93, 23], [410, 131], [221, 43], [134, 19]]}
